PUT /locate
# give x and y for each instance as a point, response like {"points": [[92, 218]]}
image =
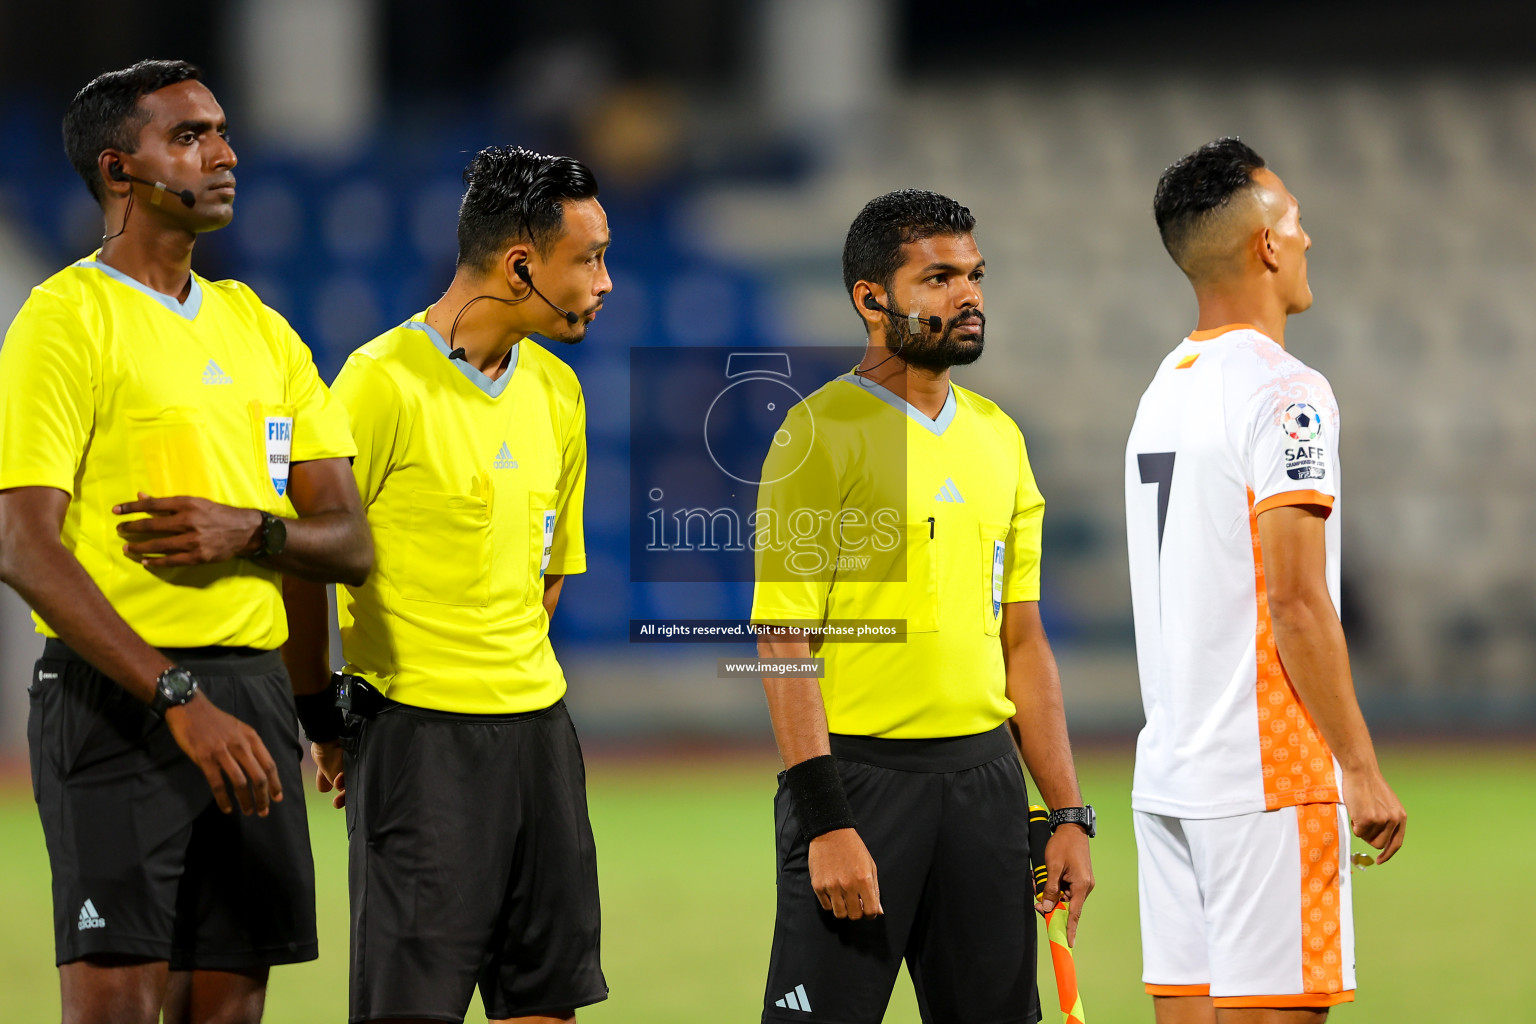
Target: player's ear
{"points": [[867, 300], [514, 258], [109, 162], [1269, 255]]}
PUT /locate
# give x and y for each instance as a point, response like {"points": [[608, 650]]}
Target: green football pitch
{"points": [[685, 853]]}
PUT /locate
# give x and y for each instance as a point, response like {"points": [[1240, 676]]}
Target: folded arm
{"points": [[328, 542]]}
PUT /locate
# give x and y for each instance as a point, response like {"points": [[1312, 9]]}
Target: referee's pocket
{"points": [[45, 680], [447, 551], [168, 454], [903, 583], [786, 826]]}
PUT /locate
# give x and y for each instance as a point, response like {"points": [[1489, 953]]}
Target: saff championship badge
{"points": [[1304, 455]]}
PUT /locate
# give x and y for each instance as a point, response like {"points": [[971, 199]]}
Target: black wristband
{"points": [[820, 803], [319, 715]]}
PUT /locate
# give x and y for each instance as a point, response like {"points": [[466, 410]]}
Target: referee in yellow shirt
{"points": [[902, 817], [472, 861], [167, 451]]}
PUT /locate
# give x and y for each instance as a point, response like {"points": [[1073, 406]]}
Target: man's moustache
{"points": [[979, 319]]}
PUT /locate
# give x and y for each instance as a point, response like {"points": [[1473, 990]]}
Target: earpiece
{"points": [[915, 323]]}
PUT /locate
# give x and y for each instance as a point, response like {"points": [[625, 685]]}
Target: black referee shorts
{"points": [[472, 864], [947, 823], [144, 862]]}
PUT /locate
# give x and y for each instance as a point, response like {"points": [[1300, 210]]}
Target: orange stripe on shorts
{"points": [[1178, 990], [1322, 967]]}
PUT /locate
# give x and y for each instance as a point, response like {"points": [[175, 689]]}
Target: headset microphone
{"points": [[116, 172], [521, 270], [915, 323]]}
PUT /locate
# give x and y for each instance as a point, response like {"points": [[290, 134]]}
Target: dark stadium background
{"points": [[735, 141]]}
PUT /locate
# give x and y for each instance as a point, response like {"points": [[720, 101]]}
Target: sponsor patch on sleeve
{"points": [[1305, 457]]}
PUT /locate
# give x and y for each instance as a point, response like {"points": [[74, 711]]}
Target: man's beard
{"points": [[577, 331], [928, 351], [580, 337]]}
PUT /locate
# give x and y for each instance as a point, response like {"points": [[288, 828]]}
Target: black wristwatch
{"points": [[174, 688], [1083, 816], [274, 537]]}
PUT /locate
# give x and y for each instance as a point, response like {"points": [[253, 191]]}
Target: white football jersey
{"points": [[1231, 426]]}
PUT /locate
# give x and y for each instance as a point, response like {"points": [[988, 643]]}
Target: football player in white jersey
{"points": [[1255, 760]]}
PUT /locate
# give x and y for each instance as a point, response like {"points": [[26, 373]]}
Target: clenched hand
{"points": [[1375, 813], [843, 875], [328, 771], [1069, 875]]}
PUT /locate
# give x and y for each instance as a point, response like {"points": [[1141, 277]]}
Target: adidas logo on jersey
{"points": [[213, 376], [89, 918], [504, 459], [949, 492], [796, 1000]]}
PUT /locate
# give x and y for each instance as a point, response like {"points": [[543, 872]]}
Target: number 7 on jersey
{"points": [[1157, 468]]}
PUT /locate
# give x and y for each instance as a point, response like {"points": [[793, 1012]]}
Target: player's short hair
{"points": [[872, 251], [106, 113], [512, 195], [1194, 189]]}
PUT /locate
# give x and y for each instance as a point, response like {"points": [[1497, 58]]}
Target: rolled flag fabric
{"points": [[1055, 922]]}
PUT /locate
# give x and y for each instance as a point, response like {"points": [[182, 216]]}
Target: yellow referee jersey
{"points": [[109, 388], [892, 515], [474, 492]]}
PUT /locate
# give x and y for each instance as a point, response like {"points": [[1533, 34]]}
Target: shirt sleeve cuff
{"points": [[37, 478], [314, 453], [781, 617], [1295, 498]]}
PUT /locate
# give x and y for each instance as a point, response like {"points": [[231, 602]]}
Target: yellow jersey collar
{"points": [[492, 388], [187, 310], [895, 401]]}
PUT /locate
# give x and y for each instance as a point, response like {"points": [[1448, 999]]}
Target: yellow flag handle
{"points": [[1055, 923]]}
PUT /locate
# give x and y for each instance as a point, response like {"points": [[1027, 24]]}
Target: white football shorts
{"points": [[1253, 910]]}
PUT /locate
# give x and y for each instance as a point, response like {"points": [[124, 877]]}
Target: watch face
{"points": [[177, 685], [276, 537]]}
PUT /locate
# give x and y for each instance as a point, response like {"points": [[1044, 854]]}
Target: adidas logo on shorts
{"points": [[796, 1000], [89, 918]]}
